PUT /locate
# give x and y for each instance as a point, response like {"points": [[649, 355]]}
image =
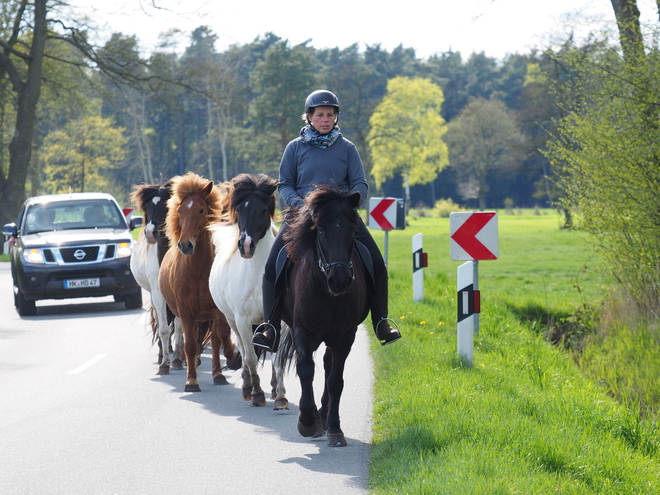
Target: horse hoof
{"points": [[236, 363], [258, 400], [163, 369], [220, 380], [177, 364], [314, 431], [247, 393], [336, 440], [192, 388], [281, 404]]}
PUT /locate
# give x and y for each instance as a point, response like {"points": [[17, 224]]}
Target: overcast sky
{"points": [[496, 27]]}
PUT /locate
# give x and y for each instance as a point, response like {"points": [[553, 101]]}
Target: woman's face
{"points": [[323, 119]]}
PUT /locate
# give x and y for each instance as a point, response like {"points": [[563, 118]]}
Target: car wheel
{"points": [[133, 301], [23, 306]]}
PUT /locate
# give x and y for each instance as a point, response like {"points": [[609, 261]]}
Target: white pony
{"points": [[145, 264], [242, 247]]}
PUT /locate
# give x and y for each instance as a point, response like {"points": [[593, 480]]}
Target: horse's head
{"points": [[152, 200], [330, 218], [193, 204], [252, 207]]}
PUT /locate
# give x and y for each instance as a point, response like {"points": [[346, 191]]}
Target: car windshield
{"points": [[73, 215]]}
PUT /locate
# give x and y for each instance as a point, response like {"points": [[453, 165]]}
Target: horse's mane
{"points": [[322, 206], [246, 184], [144, 193], [187, 185]]}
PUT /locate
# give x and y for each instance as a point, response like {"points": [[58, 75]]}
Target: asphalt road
{"points": [[83, 412]]}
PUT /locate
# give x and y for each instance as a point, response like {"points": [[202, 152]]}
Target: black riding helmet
{"points": [[321, 98]]}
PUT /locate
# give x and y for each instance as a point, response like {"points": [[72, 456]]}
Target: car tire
{"points": [[133, 301], [23, 306]]}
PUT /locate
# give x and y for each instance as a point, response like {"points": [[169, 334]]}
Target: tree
{"points": [[81, 156], [281, 80], [608, 151], [406, 133], [483, 138], [22, 65]]}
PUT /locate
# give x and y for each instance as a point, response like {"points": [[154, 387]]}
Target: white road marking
{"points": [[88, 364]]}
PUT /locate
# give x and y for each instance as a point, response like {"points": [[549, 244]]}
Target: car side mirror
{"points": [[10, 230], [135, 222]]}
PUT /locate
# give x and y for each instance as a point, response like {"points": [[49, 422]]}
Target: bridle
{"points": [[324, 265]]}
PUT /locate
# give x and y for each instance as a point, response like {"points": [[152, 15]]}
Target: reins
{"points": [[323, 263]]}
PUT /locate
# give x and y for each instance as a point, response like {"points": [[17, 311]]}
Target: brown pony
{"points": [[184, 273]]}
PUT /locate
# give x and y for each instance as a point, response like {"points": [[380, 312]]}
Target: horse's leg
{"points": [[334, 386], [216, 343], [252, 390], [278, 391], [309, 422], [232, 354], [191, 349], [159, 307], [178, 357]]}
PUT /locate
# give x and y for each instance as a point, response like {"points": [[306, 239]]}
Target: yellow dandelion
{"points": [[402, 317], [422, 323], [442, 323]]}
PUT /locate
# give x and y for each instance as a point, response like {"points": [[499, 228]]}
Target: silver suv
{"points": [[72, 245]]}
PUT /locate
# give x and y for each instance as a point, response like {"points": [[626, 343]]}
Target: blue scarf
{"points": [[309, 135]]}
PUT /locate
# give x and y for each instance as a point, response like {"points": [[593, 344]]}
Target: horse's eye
{"points": [[201, 212]]}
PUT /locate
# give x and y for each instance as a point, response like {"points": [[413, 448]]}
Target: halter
{"points": [[324, 265]]}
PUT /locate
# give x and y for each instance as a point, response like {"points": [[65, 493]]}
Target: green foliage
{"points": [[82, 155], [406, 132], [484, 137], [609, 150]]}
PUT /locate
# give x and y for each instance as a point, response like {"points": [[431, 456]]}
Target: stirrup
{"points": [[266, 336], [392, 336]]}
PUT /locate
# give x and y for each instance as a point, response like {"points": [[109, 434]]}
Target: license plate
{"points": [[82, 283]]}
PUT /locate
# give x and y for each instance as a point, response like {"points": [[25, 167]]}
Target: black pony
{"points": [[325, 301]]}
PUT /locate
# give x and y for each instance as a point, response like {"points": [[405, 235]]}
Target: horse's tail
{"points": [[203, 335], [286, 351]]}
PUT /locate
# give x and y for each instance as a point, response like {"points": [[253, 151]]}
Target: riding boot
{"points": [[267, 334], [384, 331]]}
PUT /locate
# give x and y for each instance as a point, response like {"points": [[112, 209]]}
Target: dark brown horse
{"points": [[184, 272], [325, 302]]}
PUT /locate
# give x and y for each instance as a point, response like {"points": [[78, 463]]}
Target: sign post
{"points": [[420, 260], [386, 214], [473, 237]]}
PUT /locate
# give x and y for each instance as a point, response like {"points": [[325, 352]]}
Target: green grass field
{"points": [[524, 418]]}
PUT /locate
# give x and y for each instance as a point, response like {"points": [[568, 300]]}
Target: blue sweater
{"points": [[304, 166]]}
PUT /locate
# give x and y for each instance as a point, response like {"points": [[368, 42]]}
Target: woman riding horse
{"points": [[304, 165]]}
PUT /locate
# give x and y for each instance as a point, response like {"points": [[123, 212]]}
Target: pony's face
{"points": [[193, 219], [334, 246], [254, 219], [155, 211]]}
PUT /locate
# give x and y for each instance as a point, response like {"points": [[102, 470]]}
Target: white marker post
{"points": [[420, 261], [473, 237], [469, 306]]}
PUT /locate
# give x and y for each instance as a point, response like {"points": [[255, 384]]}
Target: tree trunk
{"points": [[12, 194], [630, 33]]}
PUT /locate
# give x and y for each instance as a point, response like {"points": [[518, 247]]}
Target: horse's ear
{"points": [[209, 188], [354, 200]]}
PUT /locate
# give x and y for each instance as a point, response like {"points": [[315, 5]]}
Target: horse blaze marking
{"points": [[189, 205], [155, 200]]}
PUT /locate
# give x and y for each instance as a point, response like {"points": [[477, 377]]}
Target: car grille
{"points": [[79, 254]]}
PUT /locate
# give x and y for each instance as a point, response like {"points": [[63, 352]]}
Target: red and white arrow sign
{"points": [[382, 213], [474, 236]]}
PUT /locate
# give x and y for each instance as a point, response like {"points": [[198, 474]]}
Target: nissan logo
{"points": [[79, 254]]}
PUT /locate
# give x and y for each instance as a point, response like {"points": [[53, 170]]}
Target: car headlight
{"points": [[123, 249], [35, 256]]}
